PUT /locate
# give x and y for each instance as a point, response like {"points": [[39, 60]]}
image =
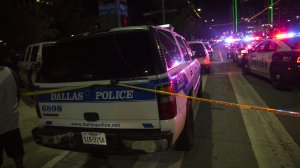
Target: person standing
{"points": [[10, 136]]}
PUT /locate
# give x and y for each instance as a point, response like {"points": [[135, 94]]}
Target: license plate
{"points": [[94, 138]]}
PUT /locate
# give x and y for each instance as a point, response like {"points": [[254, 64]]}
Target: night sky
{"points": [[215, 9]]}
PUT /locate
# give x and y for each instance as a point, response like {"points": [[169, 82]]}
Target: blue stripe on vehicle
{"points": [[148, 125], [48, 122], [99, 93]]}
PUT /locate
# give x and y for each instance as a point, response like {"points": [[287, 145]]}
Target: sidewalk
{"points": [[35, 156]]}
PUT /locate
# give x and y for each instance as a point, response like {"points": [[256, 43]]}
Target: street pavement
{"points": [[224, 136]]}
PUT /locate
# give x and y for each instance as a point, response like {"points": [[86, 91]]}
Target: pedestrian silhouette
{"points": [[10, 136]]}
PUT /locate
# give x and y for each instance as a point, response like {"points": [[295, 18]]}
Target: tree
{"points": [[24, 22], [74, 16]]}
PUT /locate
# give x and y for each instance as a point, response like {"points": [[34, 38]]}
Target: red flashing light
{"points": [[257, 38], [244, 51], [298, 60], [281, 36]]}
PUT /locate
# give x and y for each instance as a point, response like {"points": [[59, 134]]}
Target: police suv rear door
{"points": [[101, 62]]}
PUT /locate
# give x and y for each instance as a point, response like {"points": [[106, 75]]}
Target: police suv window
{"points": [[183, 48], [260, 47], [104, 57], [27, 54], [170, 48], [34, 53], [46, 50]]}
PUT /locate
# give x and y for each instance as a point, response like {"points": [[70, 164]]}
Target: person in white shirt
{"points": [[10, 136]]}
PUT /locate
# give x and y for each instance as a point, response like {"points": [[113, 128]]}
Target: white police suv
{"points": [[32, 60], [105, 116], [277, 59]]}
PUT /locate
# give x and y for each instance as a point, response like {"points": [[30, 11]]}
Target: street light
{"points": [[199, 9]]}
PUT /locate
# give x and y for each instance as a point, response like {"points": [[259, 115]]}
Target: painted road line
{"points": [[226, 73], [56, 159], [147, 161], [220, 55], [175, 158], [214, 62], [272, 145]]}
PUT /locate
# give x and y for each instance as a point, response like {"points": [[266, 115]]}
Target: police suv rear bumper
{"points": [[118, 141]]}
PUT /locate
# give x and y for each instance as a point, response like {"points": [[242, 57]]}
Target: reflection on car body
{"points": [[277, 60]]}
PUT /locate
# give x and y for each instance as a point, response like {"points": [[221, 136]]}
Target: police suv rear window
{"points": [[46, 50], [113, 56], [199, 48]]}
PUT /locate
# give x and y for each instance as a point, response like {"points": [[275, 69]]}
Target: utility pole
{"points": [[163, 12]]}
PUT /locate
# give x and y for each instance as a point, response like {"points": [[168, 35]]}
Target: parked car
{"points": [[106, 116], [277, 60], [201, 53], [209, 49], [32, 60]]}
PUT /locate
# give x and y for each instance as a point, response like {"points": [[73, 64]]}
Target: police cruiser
{"points": [[105, 116], [277, 59]]}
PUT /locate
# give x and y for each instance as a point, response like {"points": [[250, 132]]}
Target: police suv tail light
{"points": [[166, 103], [244, 51], [298, 60]]}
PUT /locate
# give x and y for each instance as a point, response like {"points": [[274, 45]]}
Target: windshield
{"points": [[127, 55]]}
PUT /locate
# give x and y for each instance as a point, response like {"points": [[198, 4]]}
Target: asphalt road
{"points": [[224, 136]]}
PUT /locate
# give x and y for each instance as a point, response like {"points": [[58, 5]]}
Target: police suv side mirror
{"points": [[187, 57]]}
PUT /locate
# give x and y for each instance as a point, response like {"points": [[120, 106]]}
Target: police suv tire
{"points": [[186, 139], [278, 80]]}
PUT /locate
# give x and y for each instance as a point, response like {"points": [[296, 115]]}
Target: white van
{"points": [[32, 60], [106, 117]]}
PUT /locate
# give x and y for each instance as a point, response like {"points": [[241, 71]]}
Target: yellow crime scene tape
{"points": [[235, 105]]}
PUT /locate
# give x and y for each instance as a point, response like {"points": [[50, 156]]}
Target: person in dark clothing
{"points": [[10, 136]]}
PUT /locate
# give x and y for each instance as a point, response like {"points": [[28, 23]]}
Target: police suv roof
{"points": [[88, 35], [118, 30]]}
